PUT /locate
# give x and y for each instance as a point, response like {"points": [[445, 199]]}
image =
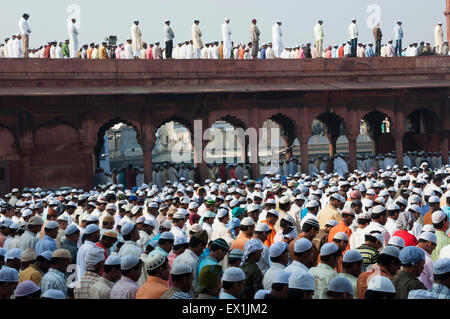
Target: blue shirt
{"points": [[263, 53], [369, 53], [46, 243], [425, 209], [205, 262], [54, 279], [304, 212]]}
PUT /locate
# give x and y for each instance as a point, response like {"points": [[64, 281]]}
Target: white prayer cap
{"points": [[273, 212], [434, 199], [166, 224], [428, 236], [222, 212], [28, 255], [152, 205], [428, 228], [180, 240], [233, 274], [90, 229], [111, 206], [262, 227], [92, 218], [341, 285], [53, 294], [51, 225], [247, 221], [179, 214], [277, 248], [397, 241], [392, 206], [341, 236], [284, 200], [282, 277], [271, 201], [401, 200], [26, 213], [312, 204], [72, 228], [260, 294], [94, 256], [126, 228], [13, 253], [391, 251], [129, 262], [331, 223], [301, 245], [302, 280], [8, 274], [338, 197], [382, 284], [352, 256], [378, 209], [438, 216], [180, 269], [252, 207], [441, 266], [113, 260], [226, 19], [167, 235], [234, 203], [328, 249], [440, 22], [420, 294], [63, 217]]}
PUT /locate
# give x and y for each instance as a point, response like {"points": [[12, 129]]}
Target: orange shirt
{"points": [[427, 218], [153, 288], [89, 52], [364, 278], [240, 241], [341, 227], [271, 237], [241, 54]]}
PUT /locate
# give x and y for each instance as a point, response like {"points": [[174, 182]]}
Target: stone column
{"points": [[398, 136], [255, 125], [304, 153], [352, 150], [398, 132], [444, 146], [88, 155], [26, 147], [25, 155], [447, 13], [148, 140], [148, 166]]}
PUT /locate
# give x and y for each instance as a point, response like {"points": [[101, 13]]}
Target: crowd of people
{"points": [[17, 46], [377, 233]]}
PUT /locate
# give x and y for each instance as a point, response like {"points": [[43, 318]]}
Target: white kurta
{"points": [[438, 38], [277, 43], [73, 39], [226, 36], [136, 38]]}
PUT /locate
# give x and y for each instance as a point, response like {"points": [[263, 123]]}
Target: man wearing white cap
{"points": [[351, 268], [28, 238], [197, 39], [324, 272], [55, 277], [278, 46], [94, 262], [379, 218], [130, 234], [127, 287], [302, 257], [9, 278], [262, 230], [233, 281], [247, 229], [331, 212], [220, 227], [301, 285], [92, 235], [441, 224], [136, 37], [226, 36], [279, 259], [48, 242], [439, 38], [101, 289], [427, 242], [181, 287], [380, 287]]}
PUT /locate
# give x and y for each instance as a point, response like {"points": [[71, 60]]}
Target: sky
{"points": [[100, 18]]}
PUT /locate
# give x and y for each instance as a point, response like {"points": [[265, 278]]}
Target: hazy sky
{"points": [[100, 18]]}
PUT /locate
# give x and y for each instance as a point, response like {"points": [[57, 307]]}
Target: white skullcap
{"points": [[391, 251], [252, 207], [301, 245], [397, 241], [72, 228], [331, 223], [193, 205], [113, 260], [328, 249], [352, 256], [126, 228], [341, 236], [341, 285], [381, 284], [260, 294], [53, 294], [94, 256], [8, 274], [167, 235], [416, 208], [438, 216], [262, 227], [428, 228], [233, 274], [129, 262], [222, 212], [180, 240], [378, 209], [428, 236], [282, 277], [277, 248], [180, 269], [302, 280], [434, 199], [251, 246], [284, 200], [51, 225], [247, 221]]}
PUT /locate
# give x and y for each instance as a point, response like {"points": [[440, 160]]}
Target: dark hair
{"points": [[307, 227], [441, 277], [177, 278], [233, 260], [243, 228], [229, 284], [284, 223], [162, 241], [362, 221], [215, 247], [370, 238], [347, 265], [194, 242], [334, 293], [35, 294], [120, 244], [371, 294], [284, 206], [328, 257], [293, 293], [440, 224], [386, 260], [41, 258], [278, 286], [128, 236], [296, 254], [109, 268], [126, 272], [176, 247]]}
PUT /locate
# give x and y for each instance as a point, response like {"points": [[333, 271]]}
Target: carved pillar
{"points": [[352, 150], [254, 142], [445, 119], [444, 147], [304, 152], [87, 150], [447, 13], [352, 134], [26, 146], [148, 140]]}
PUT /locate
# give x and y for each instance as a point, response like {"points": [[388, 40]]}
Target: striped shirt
{"points": [[82, 288], [125, 288], [440, 291], [369, 254]]}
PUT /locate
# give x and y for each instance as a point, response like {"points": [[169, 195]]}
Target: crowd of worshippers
{"points": [[17, 46], [358, 236]]}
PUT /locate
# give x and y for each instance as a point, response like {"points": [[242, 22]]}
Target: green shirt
{"points": [[404, 282], [65, 50], [442, 241], [369, 254], [253, 279], [322, 274], [354, 281]]}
